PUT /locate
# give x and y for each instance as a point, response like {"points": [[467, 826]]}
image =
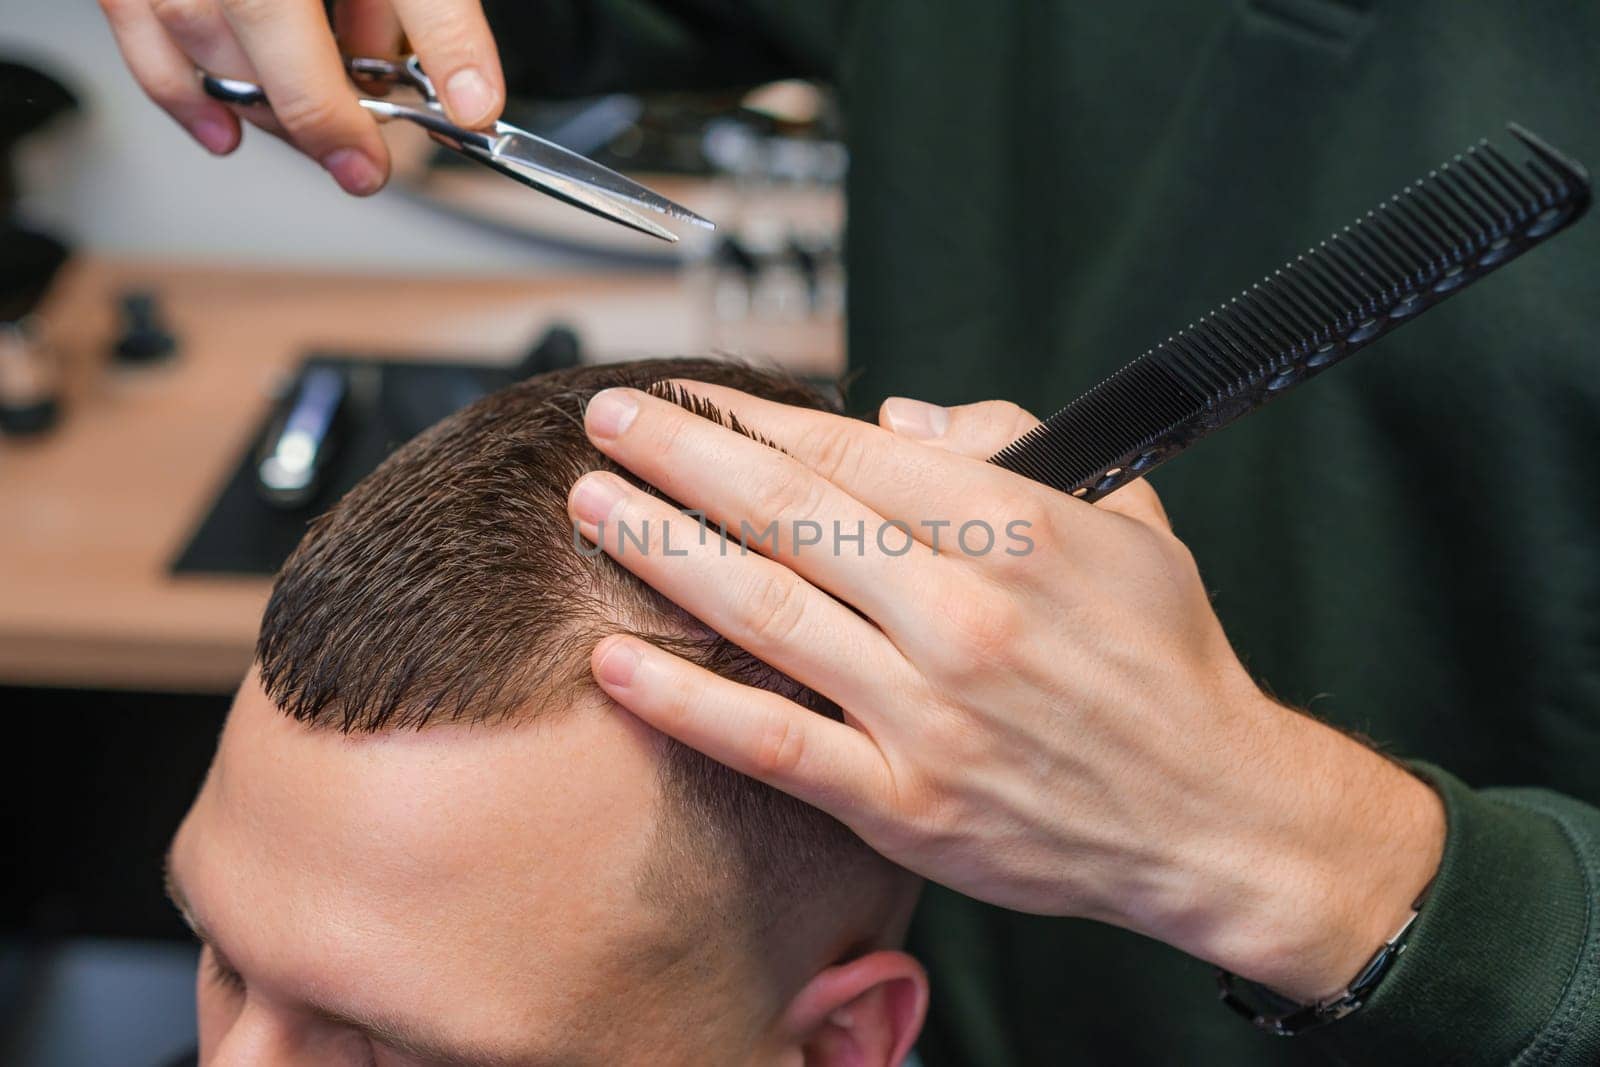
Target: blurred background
{"points": [[199, 355]]}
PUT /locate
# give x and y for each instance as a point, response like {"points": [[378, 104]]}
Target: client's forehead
{"points": [[451, 871], [575, 787]]}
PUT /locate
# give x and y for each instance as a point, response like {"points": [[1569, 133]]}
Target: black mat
{"points": [[391, 402]]}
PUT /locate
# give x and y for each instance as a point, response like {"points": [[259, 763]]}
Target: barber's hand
{"points": [[1051, 720], [289, 48]]}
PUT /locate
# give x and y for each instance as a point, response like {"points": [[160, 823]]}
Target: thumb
{"points": [[981, 430], [975, 430], [1137, 500]]}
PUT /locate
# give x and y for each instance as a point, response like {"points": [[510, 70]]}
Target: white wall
{"points": [[128, 181]]}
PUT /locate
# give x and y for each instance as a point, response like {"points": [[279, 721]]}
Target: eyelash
{"points": [[224, 976], [232, 981]]}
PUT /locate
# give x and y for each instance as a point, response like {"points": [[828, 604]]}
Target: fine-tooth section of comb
{"points": [[1471, 216]]}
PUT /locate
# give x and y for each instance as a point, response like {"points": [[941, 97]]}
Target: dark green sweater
{"points": [[1411, 546]]}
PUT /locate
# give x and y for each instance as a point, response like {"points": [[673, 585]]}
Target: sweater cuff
{"points": [[1495, 944]]}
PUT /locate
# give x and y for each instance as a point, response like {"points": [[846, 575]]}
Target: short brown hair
{"points": [[446, 587]]}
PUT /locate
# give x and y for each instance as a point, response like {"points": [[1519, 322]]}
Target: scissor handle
{"points": [[248, 94], [407, 71]]}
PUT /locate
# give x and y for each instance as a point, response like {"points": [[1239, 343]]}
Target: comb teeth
{"points": [[1472, 215]]}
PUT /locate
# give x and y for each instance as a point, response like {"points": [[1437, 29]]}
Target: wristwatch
{"points": [[1275, 1014]]}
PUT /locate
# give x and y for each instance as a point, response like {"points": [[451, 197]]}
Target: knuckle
{"points": [[1011, 564], [927, 816], [1177, 557], [796, 495], [628, 529], [779, 749], [684, 699], [253, 12], [1019, 418], [451, 35], [186, 19], [1149, 505], [833, 453], [982, 633], [1003, 412], [1004, 416], [942, 819], [775, 609], [119, 10], [1025, 525], [169, 90], [1028, 509], [906, 831], [668, 436], [306, 114]]}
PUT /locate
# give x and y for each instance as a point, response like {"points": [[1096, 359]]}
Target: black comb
{"points": [[1471, 216]]}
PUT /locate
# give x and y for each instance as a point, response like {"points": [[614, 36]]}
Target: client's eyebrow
{"points": [[399, 1037]]}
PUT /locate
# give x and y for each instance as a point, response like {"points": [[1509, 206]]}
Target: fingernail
{"points": [[354, 172], [593, 498], [610, 413], [618, 663], [915, 418], [216, 136], [469, 96]]}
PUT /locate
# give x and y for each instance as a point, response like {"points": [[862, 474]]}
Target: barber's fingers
{"points": [[934, 493], [199, 29], [368, 28], [980, 430], [291, 46], [168, 76], [975, 430], [791, 512], [205, 37], [759, 604], [756, 732], [452, 40]]}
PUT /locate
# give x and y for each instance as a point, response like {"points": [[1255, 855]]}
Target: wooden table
{"points": [[92, 515]]}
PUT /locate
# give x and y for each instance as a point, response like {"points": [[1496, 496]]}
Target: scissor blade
{"points": [[527, 151], [572, 192]]}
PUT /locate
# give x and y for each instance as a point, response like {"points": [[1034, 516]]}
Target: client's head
{"points": [[428, 837]]}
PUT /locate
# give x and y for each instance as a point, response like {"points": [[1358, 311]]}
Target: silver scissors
{"points": [[516, 153]]}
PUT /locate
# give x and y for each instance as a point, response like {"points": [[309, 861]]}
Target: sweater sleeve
{"points": [[568, 48], [1503, 965]]}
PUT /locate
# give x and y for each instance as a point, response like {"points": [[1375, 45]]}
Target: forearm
{"points": [[567, 48]]}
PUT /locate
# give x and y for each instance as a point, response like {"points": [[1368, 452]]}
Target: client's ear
{"points": [[865, 1013]]}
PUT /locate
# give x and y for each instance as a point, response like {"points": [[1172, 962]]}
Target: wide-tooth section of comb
{"points": [[1471, 216]]}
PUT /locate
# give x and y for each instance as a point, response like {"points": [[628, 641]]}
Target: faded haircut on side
{"points": [[446, 588]]}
